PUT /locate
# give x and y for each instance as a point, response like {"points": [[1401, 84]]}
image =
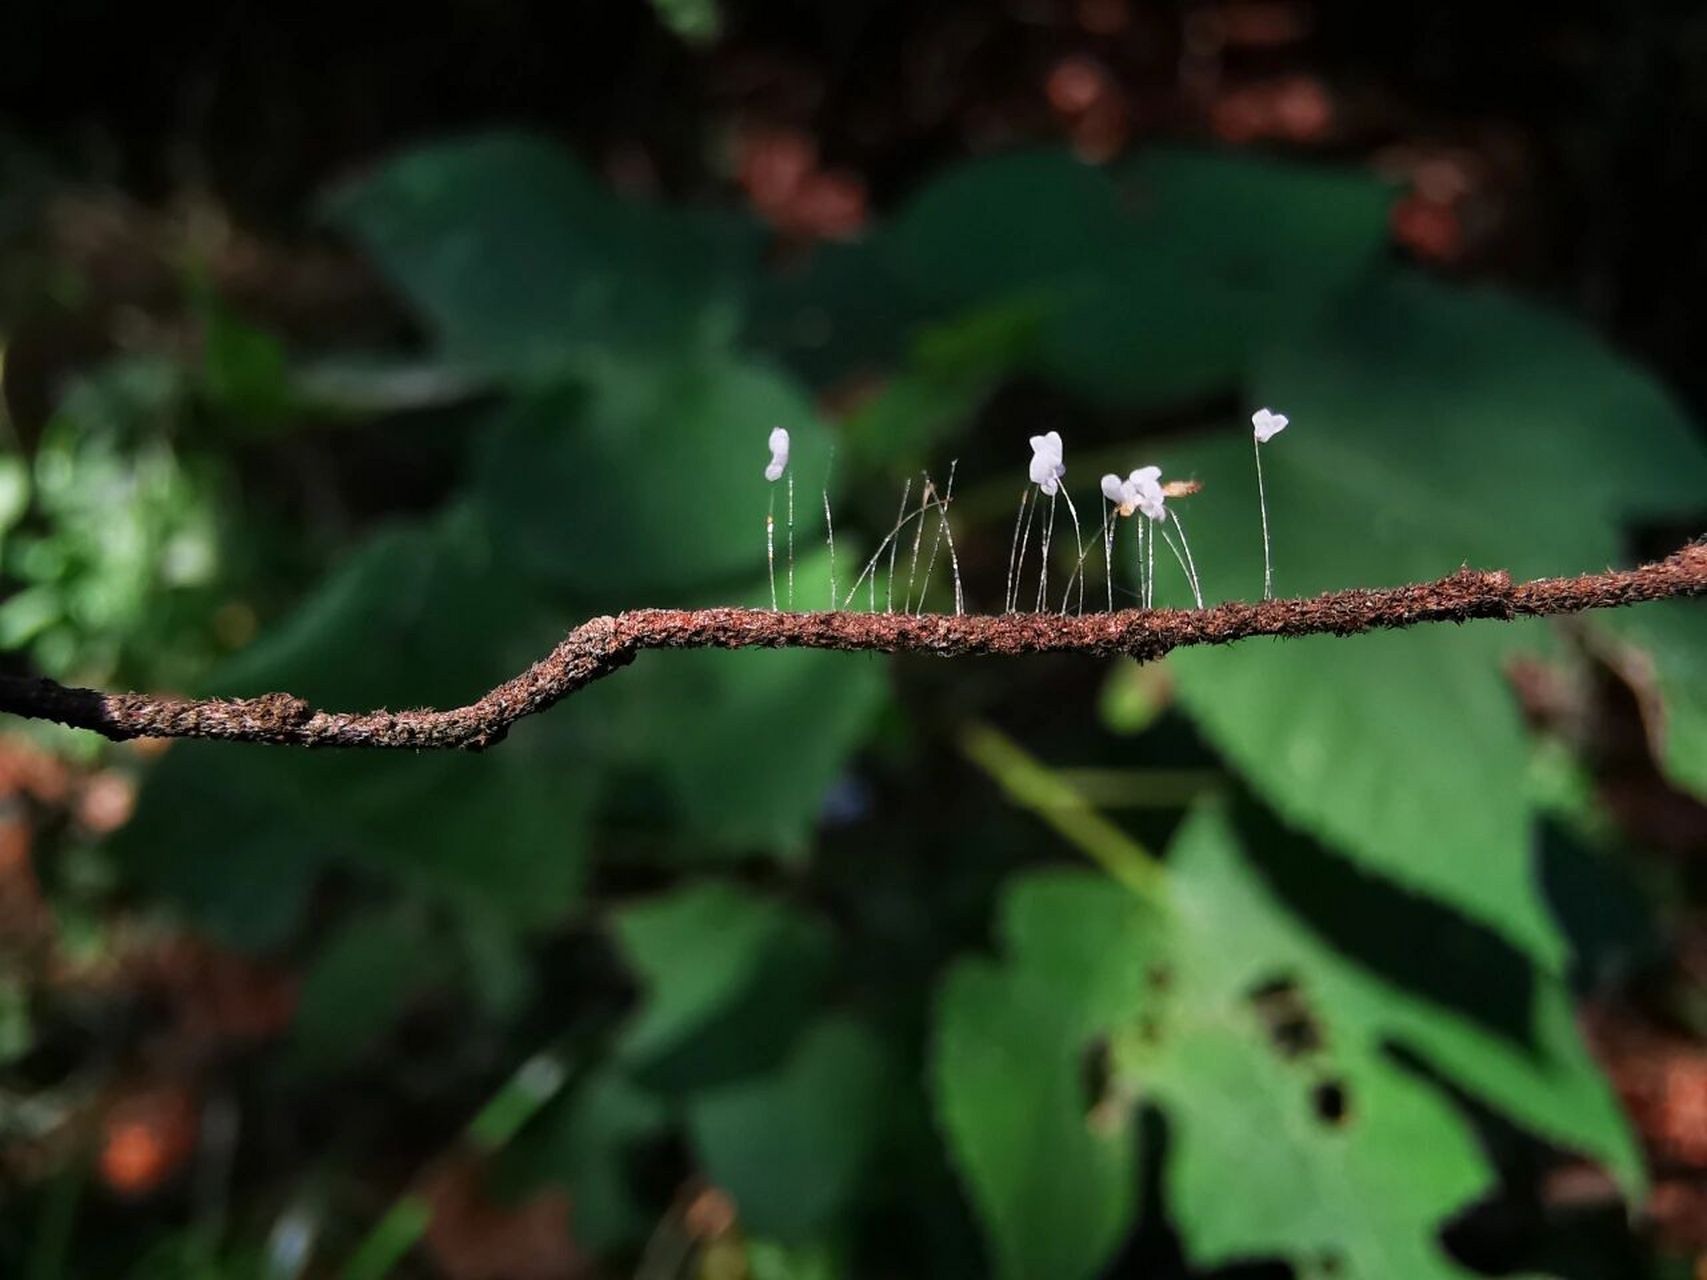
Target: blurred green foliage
{"points": [[1298, 1037]]}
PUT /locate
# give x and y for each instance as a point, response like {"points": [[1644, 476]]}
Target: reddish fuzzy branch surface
{"points": [[598, 647]]}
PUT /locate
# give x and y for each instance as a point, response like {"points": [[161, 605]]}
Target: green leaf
{"points": [[1157, 279], [528, 269], [1293, 1022], [210, 836], [768, 1260], [839, 311], [17, 1034], [1219, 245], [952, 367], [1670, 637], [1056, 1192], [501, 835], [792, 1146], [1258, 1027], [1005, 225], [1412, 451], [586, 1144], [14, 491], [749, 743], [768, 737], [358, 986], [695, 21], [416, 616], [727, 978], [651, 486], [245, 372]]}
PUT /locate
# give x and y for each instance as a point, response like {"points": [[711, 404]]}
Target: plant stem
{"points": [[1031, 784]]}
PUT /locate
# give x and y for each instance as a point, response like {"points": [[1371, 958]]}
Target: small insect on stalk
{"points": [[1265, 426], [773, 472], [1142, 491], [1046, 472]]}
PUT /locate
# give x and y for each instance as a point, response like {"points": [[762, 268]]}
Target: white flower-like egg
{"points": [[779, 454], [1046, 465], [1267, 424]]}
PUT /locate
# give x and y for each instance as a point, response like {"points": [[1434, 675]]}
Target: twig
{"points": [[601, 646]]}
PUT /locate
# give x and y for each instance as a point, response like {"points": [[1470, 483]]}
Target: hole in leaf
{"points": [[1331, 1102], [1286, 1015], [1410, 941]]}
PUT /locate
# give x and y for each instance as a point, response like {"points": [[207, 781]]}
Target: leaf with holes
{"points": [[1304, 1112], [1292, 1021]]}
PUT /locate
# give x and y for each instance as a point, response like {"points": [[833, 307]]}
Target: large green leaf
{"points": [[1000, 226], [649, 487], [1056, 1194], [838, 311], [793, 1146], [1415, 416], [527, 267], [1157, 279]]}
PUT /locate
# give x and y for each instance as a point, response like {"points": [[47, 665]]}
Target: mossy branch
{"points": [[601, 646]]}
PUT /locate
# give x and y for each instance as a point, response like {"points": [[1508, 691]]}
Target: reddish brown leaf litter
{"points": [[471, 1236], [147, 1135], [603, 645], [1660, 1075]]}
